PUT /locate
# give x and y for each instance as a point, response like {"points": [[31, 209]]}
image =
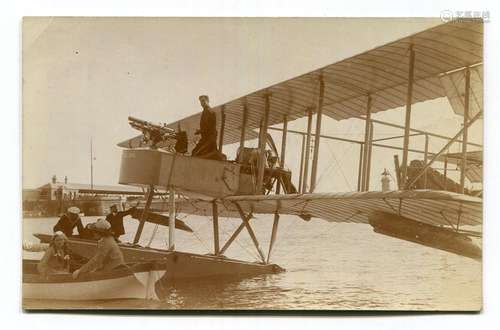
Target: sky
{"points": [[82, 77]]}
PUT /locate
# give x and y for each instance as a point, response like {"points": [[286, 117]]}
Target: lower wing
{"points": [[431, 218]]}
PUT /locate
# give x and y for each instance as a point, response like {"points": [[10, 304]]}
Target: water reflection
{"points": [[329, 266]]}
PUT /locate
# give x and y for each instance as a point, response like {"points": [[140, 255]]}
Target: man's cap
{"points": [[74, 210], [203, 97]]}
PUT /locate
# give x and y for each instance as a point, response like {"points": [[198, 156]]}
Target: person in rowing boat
{"points": [[115, 218], [207, 145], [68, 221], [56, 259], [108, 255]]}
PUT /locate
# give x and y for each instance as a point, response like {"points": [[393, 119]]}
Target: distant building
{"points": [[54, 197], [31, 195], [68, 191]]}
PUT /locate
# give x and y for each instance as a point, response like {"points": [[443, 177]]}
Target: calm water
{"points": [[329, 266]]}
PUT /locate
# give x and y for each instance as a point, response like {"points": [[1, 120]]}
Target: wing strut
{"points": [[171, 220], [273, 234], [215, 216], [262, 143], [409, 100], [463, 168], [149, 199]]}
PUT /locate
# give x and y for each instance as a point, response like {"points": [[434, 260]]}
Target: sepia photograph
{"points": [[253, 164]]}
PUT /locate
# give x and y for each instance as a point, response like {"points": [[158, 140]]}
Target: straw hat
{"points": [[74, 210]]}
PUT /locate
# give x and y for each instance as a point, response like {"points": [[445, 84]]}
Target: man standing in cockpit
{"points": [[207, 145]]}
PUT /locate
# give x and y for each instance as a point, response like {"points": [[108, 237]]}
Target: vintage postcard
{"points": [[252, 163]]}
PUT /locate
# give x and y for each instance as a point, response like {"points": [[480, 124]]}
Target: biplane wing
{"points": [[380, 73], [454, 85], [430, 218], [374, 81], [438, 208]]}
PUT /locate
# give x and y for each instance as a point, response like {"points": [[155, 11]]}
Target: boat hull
{"points": [[133, 282], [120, 288], [179, 265]]}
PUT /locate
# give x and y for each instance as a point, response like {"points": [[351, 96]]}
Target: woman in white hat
{"points": [[68, 221], [56, 258], [108, 255]]}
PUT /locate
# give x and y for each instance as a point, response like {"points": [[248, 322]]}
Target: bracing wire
{"points": [[201, 241], [340, 169], [155, 229], [338, 165]]}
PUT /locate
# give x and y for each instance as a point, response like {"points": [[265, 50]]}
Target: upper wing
{"points": [[438, 208], [381, 73], [454, 85]]}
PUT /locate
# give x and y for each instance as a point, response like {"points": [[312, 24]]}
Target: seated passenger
{"points": [[108, 255], [56, 258], [68, 221]]}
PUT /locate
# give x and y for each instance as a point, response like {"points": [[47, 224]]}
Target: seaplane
{"points": [[428, 207]]}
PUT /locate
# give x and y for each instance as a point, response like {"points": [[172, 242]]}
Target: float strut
{"points": [[273, 235], [244, 218]]}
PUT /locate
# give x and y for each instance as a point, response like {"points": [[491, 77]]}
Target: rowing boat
{"points": [[134, 281]]}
